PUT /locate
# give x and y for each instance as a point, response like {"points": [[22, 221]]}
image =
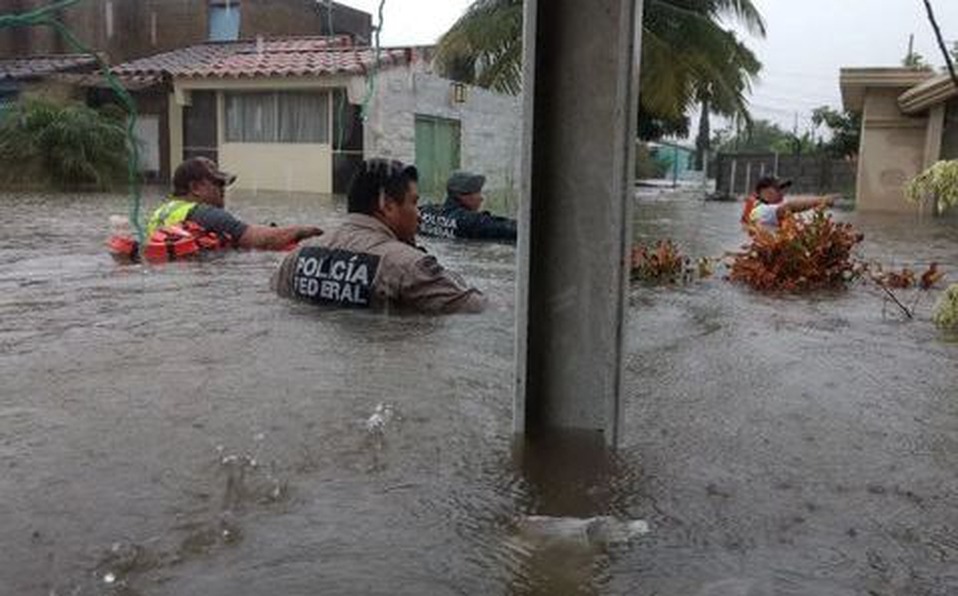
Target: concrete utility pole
{"points": [[581, 104]]}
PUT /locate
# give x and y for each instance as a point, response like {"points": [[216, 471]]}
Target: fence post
{"points": [[675, 167], [705, 170], [731, 184], [776, 165], [748, 177]]}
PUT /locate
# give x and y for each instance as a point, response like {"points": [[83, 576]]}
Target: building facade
{"points": [[300, 114], [909, 122], [124, 30]]}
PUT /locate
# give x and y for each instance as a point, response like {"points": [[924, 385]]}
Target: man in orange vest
{"points": [[199, 188], [768, 206]]}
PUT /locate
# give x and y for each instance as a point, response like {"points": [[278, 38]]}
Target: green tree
{"points": [[688, 57], [762, 136], [64, 145], [844, 128]]}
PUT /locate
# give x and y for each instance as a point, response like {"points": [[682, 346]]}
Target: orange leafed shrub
{"points": [[800, 255], [660, 263], [906, 278]]}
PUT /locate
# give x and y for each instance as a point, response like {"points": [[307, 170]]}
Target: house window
{"points": [[283, 117], [224, 21]]}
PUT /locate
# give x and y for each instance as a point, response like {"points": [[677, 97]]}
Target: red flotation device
{"points": [[169, 243], [172, 243]]}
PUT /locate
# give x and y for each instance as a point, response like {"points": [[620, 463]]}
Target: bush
{"points": [[800, 255], [939, 183], [665, 263], [946, 311], [66, 146]]}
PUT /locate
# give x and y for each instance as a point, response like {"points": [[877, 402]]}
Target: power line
{"points": [[941, 42]]}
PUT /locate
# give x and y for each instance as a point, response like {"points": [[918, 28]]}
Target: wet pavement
{"points": [[179, 430]]}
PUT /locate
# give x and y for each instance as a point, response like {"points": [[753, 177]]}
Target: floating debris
{"points": [[593, 532], [380, 418]]}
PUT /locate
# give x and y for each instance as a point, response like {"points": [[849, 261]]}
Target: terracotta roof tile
{"points": [[298, 56], [296, 64]]}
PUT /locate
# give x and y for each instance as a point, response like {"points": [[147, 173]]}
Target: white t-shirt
{"points": [[765, 215]]}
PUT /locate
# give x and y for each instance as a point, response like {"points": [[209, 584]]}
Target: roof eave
{"points": [[854, 82], [928, 94]]}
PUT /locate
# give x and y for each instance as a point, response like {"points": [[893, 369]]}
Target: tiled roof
{"points": [[287, 64], [301, 56], [31, 67]]}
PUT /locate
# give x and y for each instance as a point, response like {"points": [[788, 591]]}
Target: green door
{"points": [[437, 154]]}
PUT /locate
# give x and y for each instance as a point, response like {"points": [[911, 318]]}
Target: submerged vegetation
{"points": [[802, 255], [66, 146]]}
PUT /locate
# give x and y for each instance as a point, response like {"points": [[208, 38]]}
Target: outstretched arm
{"points": [[270, 238], [806, 204]]}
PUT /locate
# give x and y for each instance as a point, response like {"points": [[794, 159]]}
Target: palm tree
{"points": [[484, 46], [687, 56]]}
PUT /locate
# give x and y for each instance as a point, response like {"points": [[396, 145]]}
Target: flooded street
{"points": [[181, 430]]}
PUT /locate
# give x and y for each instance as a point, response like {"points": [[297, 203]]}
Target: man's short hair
{"points": [[197, 169], [390, 177]]}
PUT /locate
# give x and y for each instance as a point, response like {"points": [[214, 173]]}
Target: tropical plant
{"points": [[800, 255], [938, 185], [688, 58], [63, 145], [946, 310], [484, 46]]}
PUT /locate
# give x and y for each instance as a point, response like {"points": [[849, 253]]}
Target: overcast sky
{"points": [[808, 42]]}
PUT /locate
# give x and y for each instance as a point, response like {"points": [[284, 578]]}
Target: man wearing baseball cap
{"points": [[768, 206], [460, 217], [199, 195]]}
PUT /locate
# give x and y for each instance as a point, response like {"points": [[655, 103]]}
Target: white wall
{"points": [[489, 124]]}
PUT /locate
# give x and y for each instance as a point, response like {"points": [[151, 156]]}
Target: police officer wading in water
{"points": [[371, 261], [199, 195], [459, 216]]}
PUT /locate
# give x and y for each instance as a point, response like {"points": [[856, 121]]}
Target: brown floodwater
{"points": [[179, 430]]}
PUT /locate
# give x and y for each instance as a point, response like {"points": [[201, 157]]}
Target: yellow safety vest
{"points": [[172, 212]]}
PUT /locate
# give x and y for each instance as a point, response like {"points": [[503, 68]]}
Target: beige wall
{"points": [[892, 152], [286, 167], [290, 167]]}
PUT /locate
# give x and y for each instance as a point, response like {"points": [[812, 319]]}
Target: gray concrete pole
{"points": [[581, 91]]}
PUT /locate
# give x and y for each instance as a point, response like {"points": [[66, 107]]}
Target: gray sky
{"points": [[808, 42]]}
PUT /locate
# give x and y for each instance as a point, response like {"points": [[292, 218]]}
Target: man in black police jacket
{"points": [[459, 216]]}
